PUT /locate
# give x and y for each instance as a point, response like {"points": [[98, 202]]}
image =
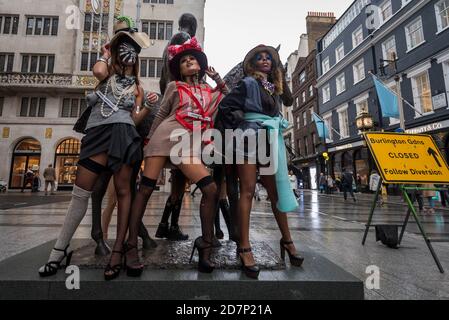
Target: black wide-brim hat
{"points": [[190, 47]]}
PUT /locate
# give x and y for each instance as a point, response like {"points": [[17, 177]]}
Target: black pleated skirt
{"points": [[120, 141]]}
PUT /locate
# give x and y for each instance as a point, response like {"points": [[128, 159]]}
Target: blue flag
{"points": [[388, 100], [321, 127]]}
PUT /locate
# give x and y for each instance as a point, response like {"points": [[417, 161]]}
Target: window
{"points": [[340, 53], [42, 26], [73, 108], [386, 10], [442, 14], [389, 49], [33, 107], [326, 93], [151, 68], [88, 60], [303, 97], [326, 65], [304, 118], [328, 123], [158, 30], [298, 123], [311, 91], [6, 62], [302, 77], [9, 24], [422, 93], [38, 63], [2, 101], [343, 122], [306, 147], [359, 71], [357, 37], [414, 34], [341, 83], [313, 143]]}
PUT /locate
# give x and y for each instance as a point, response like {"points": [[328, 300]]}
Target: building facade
{"points": [[307, 141], [45, 71], [368, 36]]}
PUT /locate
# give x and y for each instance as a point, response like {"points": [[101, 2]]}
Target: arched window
{"points": [[66, 160], [27, 155]]}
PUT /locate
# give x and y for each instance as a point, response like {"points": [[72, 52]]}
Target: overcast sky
{"points": [[233, 27]]}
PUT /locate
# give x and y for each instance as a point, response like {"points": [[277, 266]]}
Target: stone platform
{"points": [[169, 275]]}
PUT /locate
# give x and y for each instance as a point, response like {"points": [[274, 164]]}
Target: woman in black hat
{"points": [[111, 141], [187, 102]]}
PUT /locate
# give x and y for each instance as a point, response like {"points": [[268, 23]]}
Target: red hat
{"points": [[191, 47]]}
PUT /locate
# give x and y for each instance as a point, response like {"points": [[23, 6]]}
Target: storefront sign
{"points": [[407, 158], [439, 101], [429, 127], [6, 132], [347, 146]]}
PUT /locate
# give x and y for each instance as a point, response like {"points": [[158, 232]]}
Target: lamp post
{"points": [[364, 122]]}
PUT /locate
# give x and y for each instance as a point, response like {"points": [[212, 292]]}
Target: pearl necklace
{"points": [[124, 93]]}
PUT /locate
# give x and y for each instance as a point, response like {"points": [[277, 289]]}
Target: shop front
{"points": [[26, 155], [355, 158]]}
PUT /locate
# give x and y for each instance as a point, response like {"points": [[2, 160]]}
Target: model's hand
{"points": [[106, 51], [210, 71], [152, 98]]}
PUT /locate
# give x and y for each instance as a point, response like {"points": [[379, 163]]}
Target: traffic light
{"points": [[326, 156]]}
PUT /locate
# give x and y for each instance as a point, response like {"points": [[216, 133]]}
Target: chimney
{"points": [[318, 24]]}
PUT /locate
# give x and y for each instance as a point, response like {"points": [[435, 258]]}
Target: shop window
{"points": [[67, 156]]}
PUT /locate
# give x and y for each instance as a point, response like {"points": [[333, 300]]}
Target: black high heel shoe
{"points": [[132, 271], [250, 271], [52, 267], [295, 259], [112, 272], [204, 264]]}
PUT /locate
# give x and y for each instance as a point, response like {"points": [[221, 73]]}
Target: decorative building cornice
{"points": [[30, 80], [35, 79]]}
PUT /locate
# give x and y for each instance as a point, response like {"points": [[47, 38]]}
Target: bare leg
{"points": [[269, 183], [247, 174]]}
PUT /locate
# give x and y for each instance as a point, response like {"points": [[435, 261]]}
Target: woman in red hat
{"points": [[187, 102], [254, 106]]}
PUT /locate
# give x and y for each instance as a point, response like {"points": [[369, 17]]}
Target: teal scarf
{"points": [[286, 198]]}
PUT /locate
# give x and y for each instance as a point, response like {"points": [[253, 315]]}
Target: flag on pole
{"points": [[387, 98], [321, 127]]}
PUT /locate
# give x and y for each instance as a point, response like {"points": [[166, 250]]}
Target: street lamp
{"points": [[364, 122]]}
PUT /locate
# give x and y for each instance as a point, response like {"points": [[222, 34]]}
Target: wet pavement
{"points": [[324, 224]]}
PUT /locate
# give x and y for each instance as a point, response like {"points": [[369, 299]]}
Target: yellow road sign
{"points": [[407, 158]]}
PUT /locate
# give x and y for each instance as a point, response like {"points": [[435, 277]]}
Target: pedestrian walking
{"points": [[323, 183], [347, 183], [429, 194], [50, 178]]}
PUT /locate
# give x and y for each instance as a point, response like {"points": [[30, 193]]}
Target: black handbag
{"points": [[388, 235], [81, 123]]}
